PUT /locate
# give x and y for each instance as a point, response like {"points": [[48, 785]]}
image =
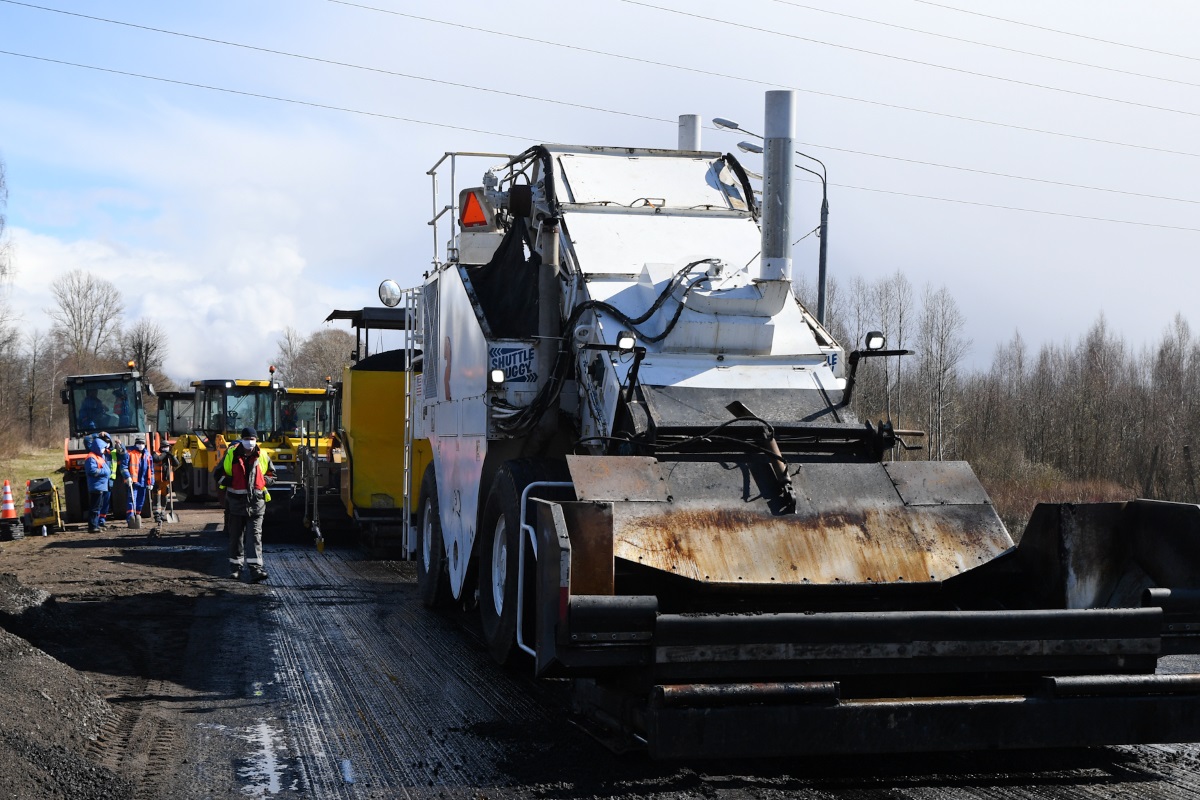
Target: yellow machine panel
{"points": [[373, 420]]}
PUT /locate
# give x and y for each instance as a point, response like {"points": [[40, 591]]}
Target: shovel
{"points": [[167, 514], [135, 522]]}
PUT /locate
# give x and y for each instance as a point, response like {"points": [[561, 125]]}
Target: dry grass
{"points": [[20, 467], [1015, 498]]}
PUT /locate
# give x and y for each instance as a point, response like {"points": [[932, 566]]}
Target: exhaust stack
{"points": [[689, 131], [776, 262]]}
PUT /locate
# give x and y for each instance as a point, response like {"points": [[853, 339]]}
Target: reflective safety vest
{"points": [[140, 469], [101, 464], [235, 468]]}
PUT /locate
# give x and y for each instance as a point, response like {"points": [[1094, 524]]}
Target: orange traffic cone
{"points": [[28, 511], [7, 509]]}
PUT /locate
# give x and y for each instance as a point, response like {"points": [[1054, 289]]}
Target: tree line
{"points": [[1087, 420]]}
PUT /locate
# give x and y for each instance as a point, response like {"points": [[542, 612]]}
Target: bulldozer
{"points": [[647, 477]]}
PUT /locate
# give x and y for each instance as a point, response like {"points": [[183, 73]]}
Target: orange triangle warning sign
{"points": [[473, 215]]}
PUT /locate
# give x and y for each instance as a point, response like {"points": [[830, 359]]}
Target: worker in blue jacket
{"points": [[99, 477], [137, 470]]}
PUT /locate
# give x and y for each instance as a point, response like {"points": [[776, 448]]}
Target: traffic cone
{"points": [[7, 509]]}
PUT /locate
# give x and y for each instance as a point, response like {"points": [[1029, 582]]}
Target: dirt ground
{"points": [[89, 624], [135, 668]]}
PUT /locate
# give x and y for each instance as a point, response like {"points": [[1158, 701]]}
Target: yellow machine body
{"points": [[373, 420]]}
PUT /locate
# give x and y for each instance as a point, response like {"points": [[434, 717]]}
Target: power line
{"points": [[985, 44], [959, 70], [1056, 30], [545, 100], [1000, 174], [393, 117], [772, 84], [409, 76], [266, 96], [331, 62], [1011, 208]]}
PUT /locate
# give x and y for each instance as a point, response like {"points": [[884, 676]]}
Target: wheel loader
{"points": [[647, 478]]}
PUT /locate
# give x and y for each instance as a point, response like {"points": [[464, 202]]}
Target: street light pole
{"points": [[824, 234]]}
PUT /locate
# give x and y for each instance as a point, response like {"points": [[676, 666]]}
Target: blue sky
{"points": [[226, 218]]}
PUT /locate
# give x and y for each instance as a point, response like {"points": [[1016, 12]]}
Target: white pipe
{"points": [[780, 130], [689, 131]]}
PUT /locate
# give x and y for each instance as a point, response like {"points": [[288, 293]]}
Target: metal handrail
{"points": [[526, 528], [453, 205], [412, 334]]}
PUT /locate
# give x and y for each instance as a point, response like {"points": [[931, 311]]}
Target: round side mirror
{"points": [[390, 294]]}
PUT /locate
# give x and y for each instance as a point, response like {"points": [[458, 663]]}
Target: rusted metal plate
{"points": [[733, 543], [590, 525], [618, 478], [932, 483]]}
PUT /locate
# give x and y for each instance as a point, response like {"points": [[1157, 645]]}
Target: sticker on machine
{"points": [[517, 361]]}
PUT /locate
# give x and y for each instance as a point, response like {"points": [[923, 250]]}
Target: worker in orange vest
{"points": [[96, 469], [137, 470]]}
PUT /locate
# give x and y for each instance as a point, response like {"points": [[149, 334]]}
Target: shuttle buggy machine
{"points": [[647, 476]]}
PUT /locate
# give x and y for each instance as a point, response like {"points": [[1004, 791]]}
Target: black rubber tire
{"points": [[433, 580], [183, 483], [498, 593]]}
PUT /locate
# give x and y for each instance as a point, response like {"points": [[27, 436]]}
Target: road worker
{"points": [[137, 470], [249, 471], [98, 481]]}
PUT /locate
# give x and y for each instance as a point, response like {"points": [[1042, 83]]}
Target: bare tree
{"points": [[5, 244], [288, 357], [35, 367], [894, 301], [941, 350], [87, 317], [323, 356], [146, 344]]}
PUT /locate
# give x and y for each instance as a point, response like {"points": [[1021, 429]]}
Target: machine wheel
{"points": [[183, 483], [500, 538], [433, 582]]}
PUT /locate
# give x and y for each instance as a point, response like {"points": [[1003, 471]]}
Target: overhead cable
{"points": [[414, 121], [264, 96], [770, 84], [1056, 30], [916, 61], [410, 76], [984, 44], [1012, 208], [999, 174], [316, 59]]}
